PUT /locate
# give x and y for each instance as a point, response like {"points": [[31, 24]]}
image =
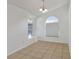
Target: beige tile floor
{"points": [[43, 50]]}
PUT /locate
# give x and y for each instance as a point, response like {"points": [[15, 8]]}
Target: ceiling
{"points": [[32, 6]]}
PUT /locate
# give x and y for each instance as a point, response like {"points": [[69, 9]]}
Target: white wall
{"points": [[69, 14], [62, 14], [17, 29], [40, 25]]}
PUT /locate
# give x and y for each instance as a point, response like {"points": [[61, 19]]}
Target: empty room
{"points": [[38, 29]]}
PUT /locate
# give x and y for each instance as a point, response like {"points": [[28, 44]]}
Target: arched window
{"points": [[52, 26], [52, 19]]}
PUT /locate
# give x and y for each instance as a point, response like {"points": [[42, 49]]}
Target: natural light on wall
{"points": [[29, 36], [52, 19]]}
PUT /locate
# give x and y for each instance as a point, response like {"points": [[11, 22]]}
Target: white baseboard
{"points": [[52, 39], [29, 43]]}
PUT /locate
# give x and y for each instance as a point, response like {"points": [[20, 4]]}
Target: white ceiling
{"points": [[32, 6]]}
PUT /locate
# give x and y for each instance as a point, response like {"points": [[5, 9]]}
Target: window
{"points": [[30, 29], [52, 26], [51, 19]]}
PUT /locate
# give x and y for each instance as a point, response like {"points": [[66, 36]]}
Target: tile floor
{"points": [[43, 50]]}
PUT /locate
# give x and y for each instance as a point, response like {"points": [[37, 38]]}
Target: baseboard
{"points": [[29, 43], [52, 39]]}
